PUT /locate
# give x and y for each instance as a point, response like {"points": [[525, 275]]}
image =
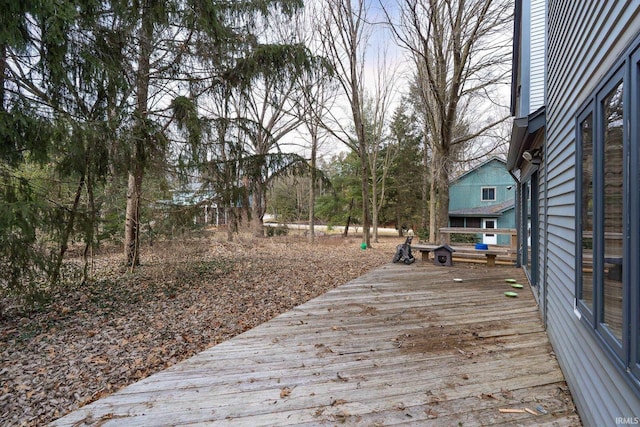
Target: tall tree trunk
{"points": [[433, 197], [312, 189], [136, 172], [223, 175], [358, 122], [366, 219], [258, 208], [64, 239], [425, 187], [439, 214], [345, 41], [374, 205], [364, 169], [93, 213], [442, 183], [232, 222], [132, 218], [378, 190], [346, 227], [243, 216]]}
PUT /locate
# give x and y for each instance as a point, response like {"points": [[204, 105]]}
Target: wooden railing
{"points": [[447, 231]]}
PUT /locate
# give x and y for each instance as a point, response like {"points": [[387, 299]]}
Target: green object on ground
{"points": [[516, 285], [510, 280], [363, 246], [511, 294]]}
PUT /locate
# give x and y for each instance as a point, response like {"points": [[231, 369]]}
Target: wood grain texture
{"points": [[402, 345]]}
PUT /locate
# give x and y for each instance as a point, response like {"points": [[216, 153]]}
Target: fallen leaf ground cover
{"points": [[187, 295]]}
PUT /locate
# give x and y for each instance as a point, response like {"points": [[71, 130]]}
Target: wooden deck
{"points": [[402, 345]]}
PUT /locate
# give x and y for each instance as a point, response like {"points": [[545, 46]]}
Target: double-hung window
{"points": [[608, 214], [488, 194]]}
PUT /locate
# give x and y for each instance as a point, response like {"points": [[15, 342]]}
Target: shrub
{"points": [[464, 238], [280, 230]]}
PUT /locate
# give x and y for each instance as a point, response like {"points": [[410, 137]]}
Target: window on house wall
{"points": [[613, 205], [473, 223], [456, 222], [488, 194], [530, 224], [526, 221], [608, 215], [585, 216], [633, 278]]}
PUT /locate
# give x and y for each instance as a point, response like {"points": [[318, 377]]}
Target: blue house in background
{"points": [[484, 197], [201, 199]]}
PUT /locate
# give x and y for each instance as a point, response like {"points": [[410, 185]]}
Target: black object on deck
{"points": [[403, 252]]}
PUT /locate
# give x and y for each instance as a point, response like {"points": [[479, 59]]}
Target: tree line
{"points": [[105, 106]]}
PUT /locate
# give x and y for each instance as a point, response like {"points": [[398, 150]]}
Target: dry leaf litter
{"points": [[96, 338]]}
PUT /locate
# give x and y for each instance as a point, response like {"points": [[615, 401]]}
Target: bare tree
{"points": [[270, 102], [461, 54], [224, 155], [377, 106], [319, 96], [268, 105], [319, 93], [345, 36]]}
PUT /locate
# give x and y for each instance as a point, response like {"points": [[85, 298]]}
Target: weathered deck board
{"points": [[402, 345]]}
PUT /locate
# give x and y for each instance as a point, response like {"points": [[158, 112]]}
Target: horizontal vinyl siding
{"points": [[466, 191], [584, 40], [507, 220]]}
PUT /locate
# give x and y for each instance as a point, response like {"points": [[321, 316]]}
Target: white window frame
{"points": [[482, 194]]}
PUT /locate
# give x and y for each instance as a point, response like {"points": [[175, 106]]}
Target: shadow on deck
{"points": [[400, 345]]}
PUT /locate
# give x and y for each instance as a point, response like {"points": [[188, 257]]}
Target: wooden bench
{"points": [[489, 253]]}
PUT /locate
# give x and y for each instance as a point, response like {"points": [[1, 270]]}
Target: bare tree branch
{"points": [[460, 51]]}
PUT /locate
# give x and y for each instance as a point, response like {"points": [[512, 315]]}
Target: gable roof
{"points": [[481, 165]]}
